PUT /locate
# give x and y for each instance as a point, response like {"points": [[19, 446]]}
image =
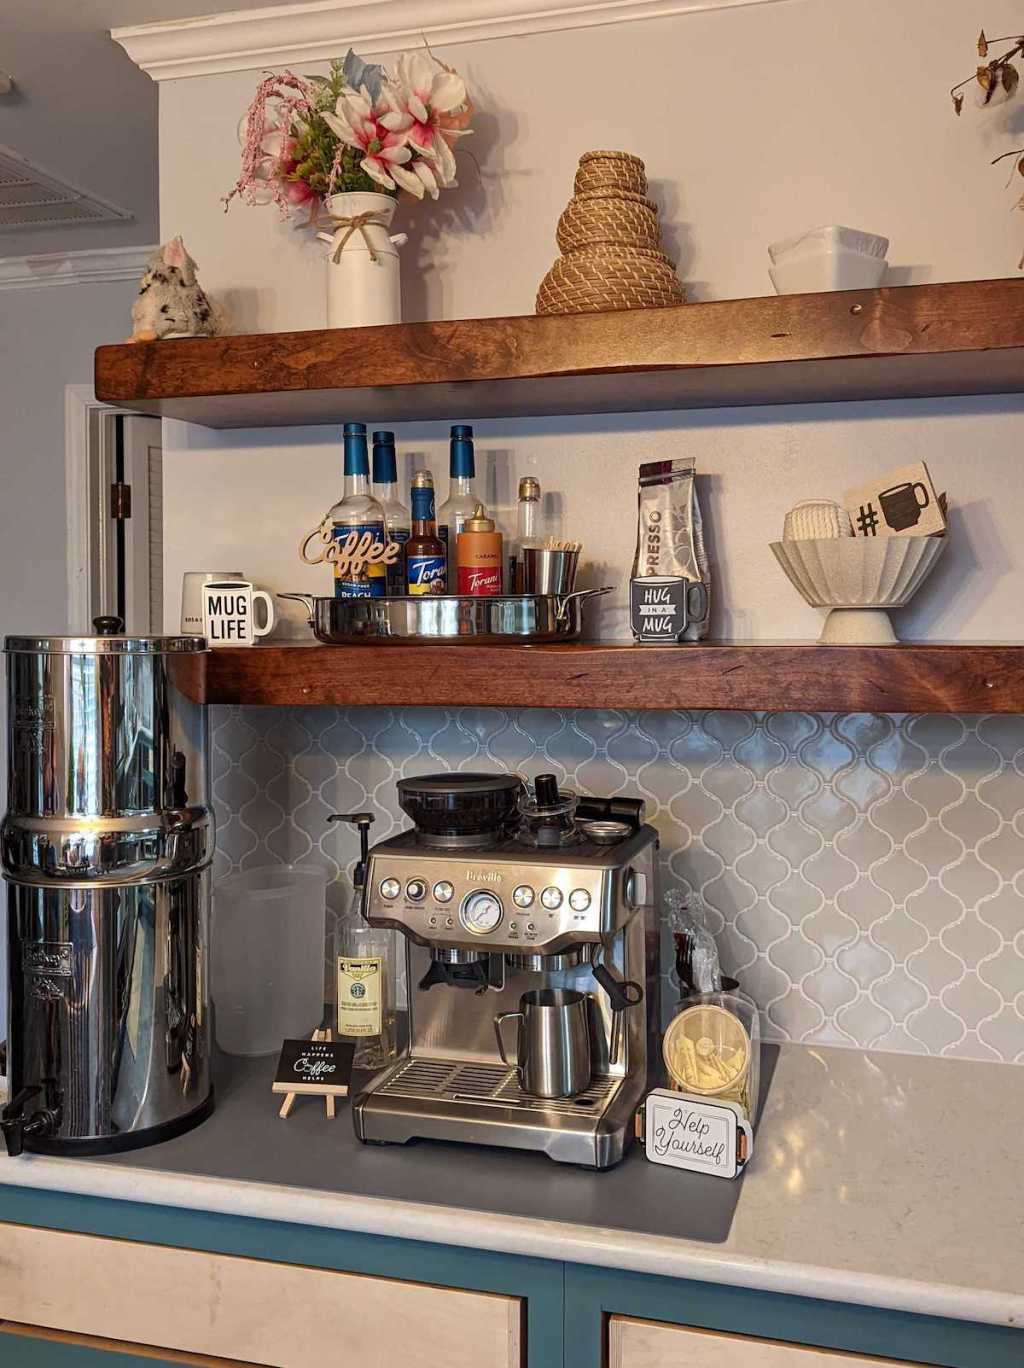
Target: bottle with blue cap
{"points": [[358, 511], [461, 503], [397, 523]]}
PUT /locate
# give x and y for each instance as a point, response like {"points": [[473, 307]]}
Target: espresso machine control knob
{"points": [[551, 898], [636, 888], [416, 890], [481, 912], [390, 888]]}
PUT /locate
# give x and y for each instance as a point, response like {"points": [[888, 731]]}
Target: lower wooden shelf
{"points": [[799, 677]]}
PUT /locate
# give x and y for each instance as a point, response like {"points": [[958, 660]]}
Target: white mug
{"points": [[228, 613], [192, 597]]}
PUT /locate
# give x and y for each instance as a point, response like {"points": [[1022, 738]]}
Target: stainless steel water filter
{"points": [[106, 845]]}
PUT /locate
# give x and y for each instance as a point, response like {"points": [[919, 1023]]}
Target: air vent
{"points": [[33, 198]]}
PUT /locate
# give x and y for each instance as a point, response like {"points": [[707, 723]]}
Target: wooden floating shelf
{"points": [[910, 341], [771, 678]]}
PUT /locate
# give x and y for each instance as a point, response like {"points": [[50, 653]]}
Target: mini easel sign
{"points": [[319, 1067], [695, 1133]]}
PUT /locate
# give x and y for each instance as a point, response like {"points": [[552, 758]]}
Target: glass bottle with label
{"points": [[364, 962], [527, 528], [458, 508], [358, 512], [424, 551], [396, 515]]}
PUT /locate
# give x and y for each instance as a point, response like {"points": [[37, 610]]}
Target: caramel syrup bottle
{"points": [[425, 559]]}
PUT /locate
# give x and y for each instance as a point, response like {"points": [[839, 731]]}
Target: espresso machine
{"points": [[505, 898]]}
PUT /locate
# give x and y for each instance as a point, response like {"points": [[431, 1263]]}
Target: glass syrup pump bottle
{"points": [[364, 969]]}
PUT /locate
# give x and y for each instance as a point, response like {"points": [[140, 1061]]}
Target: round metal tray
{"points": [[447, 617]]}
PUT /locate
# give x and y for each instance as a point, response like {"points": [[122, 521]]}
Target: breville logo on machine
{"points": [[490, 876]]}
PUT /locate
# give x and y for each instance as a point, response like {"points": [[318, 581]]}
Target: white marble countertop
{"points": [[881, 1179]]}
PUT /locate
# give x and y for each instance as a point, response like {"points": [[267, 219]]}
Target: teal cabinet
{"points": [[565, 1307]]}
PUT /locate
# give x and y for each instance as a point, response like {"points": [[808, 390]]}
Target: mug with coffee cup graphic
{"points": [[192, 583], [902, 506], [229, 617]]}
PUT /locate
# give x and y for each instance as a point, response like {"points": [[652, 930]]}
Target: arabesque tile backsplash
{"points": [[860, 872]]}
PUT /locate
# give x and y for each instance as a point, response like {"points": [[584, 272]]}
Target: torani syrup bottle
{"points": [[396, 515], [358, 511], [461, 500], [424, 551], [479, 556]]}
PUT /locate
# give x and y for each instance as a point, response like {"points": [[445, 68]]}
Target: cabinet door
{"points": [[653, 1344], [32, 1345], [283, 1315]]}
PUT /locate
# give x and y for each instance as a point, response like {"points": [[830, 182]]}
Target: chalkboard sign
{"points": [[320, 1067]]}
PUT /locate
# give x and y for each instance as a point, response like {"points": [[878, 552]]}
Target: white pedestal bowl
{"points": [[858, 579]]}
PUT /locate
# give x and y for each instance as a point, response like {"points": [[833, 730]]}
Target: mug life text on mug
{"points": [[229, 617]]}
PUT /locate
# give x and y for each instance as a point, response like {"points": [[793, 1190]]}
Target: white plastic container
{"points": [[828, 258], [268, 957], [361, 291]]}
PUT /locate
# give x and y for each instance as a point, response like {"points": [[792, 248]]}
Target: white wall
{"points": [[47, 338], [754, 123]]}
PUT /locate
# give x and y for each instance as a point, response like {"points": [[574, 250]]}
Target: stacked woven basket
{"points": [[611, 244]]}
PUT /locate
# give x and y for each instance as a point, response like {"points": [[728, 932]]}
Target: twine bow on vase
{"points": [[351, 223]]}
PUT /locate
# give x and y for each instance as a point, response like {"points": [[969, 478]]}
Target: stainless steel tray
{"points": [[447, 617]]}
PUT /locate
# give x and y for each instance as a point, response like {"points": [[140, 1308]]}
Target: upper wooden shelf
{"points": [[915, 340], [770, 678]]}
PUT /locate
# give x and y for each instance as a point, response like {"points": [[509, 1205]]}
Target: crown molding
{"points": [[315, 30], [74, 268]]}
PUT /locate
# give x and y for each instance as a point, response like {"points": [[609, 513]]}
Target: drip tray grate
{"points": [[454, 1081]]}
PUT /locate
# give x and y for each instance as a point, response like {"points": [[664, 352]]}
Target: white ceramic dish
{"points": [[858, 579], [828, 258]]}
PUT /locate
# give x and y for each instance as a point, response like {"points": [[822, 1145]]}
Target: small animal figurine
{"points": [[171, 302]]}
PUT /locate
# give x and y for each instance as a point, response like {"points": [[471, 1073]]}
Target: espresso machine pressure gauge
{"points": [[481, 912]]}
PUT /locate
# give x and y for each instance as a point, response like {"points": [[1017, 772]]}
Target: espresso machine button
{"points": [[523, 896], [481, 912], [416, 890], [551, 898], [390, 888], [443, 891], [579, 900]]}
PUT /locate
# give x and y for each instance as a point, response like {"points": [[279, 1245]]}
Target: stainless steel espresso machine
{"points": [[508, 899]]}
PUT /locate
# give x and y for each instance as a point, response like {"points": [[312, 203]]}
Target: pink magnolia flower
{"points": [[277, 164], [428, 105], [356, 122]]}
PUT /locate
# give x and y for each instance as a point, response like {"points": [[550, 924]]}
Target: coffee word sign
{"points": [[320, 1067], [347, 554], [229, 616], [686, 1132], [901, 503], [661, 606]]}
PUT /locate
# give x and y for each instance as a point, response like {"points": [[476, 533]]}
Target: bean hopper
{"points": [[499, 891]]}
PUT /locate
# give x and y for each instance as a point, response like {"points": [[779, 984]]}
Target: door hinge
{"points": [[120, 501]]}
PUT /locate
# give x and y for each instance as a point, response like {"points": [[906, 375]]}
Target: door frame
{"points": [[88, 550], [80, 403]]}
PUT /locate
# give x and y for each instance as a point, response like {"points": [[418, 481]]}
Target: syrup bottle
{"points": [[424, 551], [478, 550]]}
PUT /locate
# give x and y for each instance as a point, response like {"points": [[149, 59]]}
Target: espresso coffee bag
{"points": [[670, 538]]}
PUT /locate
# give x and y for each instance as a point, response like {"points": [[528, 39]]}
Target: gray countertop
{"points": [[885, 1179]]}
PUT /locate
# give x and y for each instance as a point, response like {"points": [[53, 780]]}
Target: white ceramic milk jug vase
{"points": [[363, 275]]}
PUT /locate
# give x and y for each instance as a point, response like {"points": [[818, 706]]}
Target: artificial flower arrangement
{"points": [[358, 129]]}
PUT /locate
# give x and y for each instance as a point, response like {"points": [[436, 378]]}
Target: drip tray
{"points": [[483, 1104], [450, 1081]]}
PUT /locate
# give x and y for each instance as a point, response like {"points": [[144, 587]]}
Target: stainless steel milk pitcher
{"points": [[553, 1042]]}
